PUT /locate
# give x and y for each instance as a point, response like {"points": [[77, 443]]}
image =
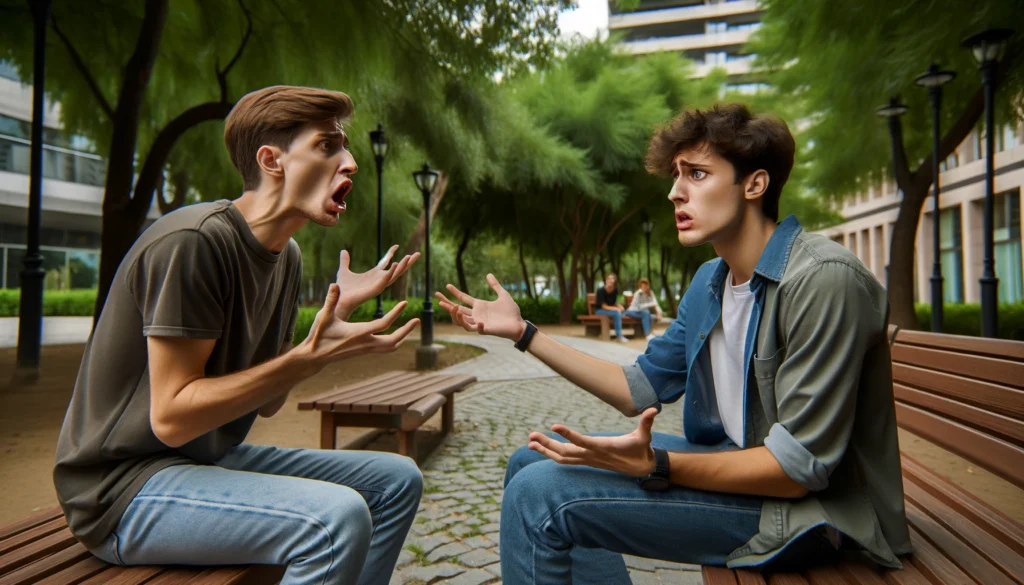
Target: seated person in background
{"points": [[607, 304], [644, 300]]}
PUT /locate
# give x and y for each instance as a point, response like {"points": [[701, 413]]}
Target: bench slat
{"points": [[955, 549], [46, 566], [748, 577], [784, 579], [999, 348], [861, 574], [987, 545], [908, 576], [325, 401], [444, 388], [718, 576], [33, 534], [377, 395], [933, 564], [991, 520], [826, 576], [36, 550], [398, 399], [124, 576], [76, 573], [992, 453], [1001, 399], [983, 368], [31, 522], [1002, 426]]}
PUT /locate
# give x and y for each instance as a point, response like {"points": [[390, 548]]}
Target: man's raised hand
{"points": [[331, 338], [627, 454], [356, 289], [499, 317]]}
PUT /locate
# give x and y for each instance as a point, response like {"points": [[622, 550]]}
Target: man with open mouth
{"points": [[780, 353], [195, 341]]}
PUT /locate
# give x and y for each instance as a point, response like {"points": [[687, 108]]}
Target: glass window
{"points": [[8, 71], [83, 269], [1008, 138], [15, 256], [14, 127], [951, 255], [1008, 247]]}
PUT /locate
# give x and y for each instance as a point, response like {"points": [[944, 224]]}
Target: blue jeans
{"points": [[644, 316], [328, 516], [565, 524]]}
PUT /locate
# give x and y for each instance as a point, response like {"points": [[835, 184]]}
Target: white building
{"points": [[72, 193], [870, 216]]}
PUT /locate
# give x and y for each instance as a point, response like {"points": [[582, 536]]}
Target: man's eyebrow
{"points": [[686, 163], [332, 134]]}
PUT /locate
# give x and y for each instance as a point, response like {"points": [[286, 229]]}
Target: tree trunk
{"points": [[565, 297], [901, 260], [400, 288], [670, 297], [526, 273], [466, 236]]}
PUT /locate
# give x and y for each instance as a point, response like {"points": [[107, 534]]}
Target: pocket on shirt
{"points": [[766, 368]]}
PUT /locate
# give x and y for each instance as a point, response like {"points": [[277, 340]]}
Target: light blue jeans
{"points": [[644, 316], [328, 516], [571, 524]]}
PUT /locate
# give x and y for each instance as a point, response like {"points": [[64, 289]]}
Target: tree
{"points": [[843, 60], [136, 76]]}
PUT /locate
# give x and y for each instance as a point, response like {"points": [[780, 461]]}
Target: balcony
{"points": [[687, 42], [739, 66], [682, 14], [58, 163]]}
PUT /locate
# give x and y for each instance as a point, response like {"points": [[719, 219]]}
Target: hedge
{"points": [[75, 303], [965, 319]]}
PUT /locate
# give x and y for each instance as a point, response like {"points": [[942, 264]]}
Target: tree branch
{"points": [[222, 74], [83, 69], [161, 149]]}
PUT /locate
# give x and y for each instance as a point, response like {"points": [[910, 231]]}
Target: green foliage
{"points": [[56, 303], [965, 319]]}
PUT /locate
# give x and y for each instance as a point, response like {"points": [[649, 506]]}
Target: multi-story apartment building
{"points": [[712, 33], [72, 193], [870, 216]]}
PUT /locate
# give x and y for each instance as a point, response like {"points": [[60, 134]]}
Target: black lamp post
{"points": [[934, 79], [425, 179], [648, 227], [30, 313], [380, 148], [987, 47]]}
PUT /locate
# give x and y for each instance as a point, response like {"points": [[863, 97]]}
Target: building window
{"points": [[951, 255], [1007, 138], [716, 27], [951, 162], [8, 71], [1007, 246]]}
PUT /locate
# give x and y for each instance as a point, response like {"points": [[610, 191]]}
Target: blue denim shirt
{"points": [[818, 314]]}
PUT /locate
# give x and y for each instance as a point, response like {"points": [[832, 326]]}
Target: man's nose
{"points": [[348, 165]]}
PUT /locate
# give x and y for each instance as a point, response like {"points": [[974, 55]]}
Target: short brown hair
{"points": [[275, 116], [750, 143], [642, 282]]}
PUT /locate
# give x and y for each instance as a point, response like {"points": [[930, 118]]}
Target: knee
{"points": [[530, 494], [520, 459], [346, 516], [408, 479]]}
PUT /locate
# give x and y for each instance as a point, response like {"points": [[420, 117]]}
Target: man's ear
{"points": [[756, 185], [269, 159]]}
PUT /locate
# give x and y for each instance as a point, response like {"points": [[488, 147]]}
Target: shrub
{"points": [[965, 319], [77, 302]]}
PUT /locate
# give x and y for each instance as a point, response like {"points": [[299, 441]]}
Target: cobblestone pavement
{"points": [[455, 540]]}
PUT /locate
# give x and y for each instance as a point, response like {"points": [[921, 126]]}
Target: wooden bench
{"points": [[966, 395], [42, 550], [396, 400], [601, 325]]}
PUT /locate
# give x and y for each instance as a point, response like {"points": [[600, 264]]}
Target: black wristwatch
{"points": [[527, 337], [658, 479]]}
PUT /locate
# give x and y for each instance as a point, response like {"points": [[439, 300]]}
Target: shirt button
{"points": [[702, 336]]}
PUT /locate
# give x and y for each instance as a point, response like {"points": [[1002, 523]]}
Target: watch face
{"points": [[654, 483]]}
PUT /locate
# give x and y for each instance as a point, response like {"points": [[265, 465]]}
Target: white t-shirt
{"points": [[728, 346]]}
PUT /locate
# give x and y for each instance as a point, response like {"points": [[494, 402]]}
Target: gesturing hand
{"points": [[331, 338], [500, 317], [628, 454], [356, 289]]}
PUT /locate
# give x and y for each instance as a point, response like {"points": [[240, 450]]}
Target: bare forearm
{"points": [[207, 403], [603, 379], [753, 472]]}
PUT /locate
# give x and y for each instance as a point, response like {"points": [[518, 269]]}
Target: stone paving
{"points": [[455, 540]]}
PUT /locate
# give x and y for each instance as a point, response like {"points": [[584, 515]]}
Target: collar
{"points": [[773, 261]]}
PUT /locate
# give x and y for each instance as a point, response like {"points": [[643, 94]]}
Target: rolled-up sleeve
{"points": [[659, 375], [830, 315]]}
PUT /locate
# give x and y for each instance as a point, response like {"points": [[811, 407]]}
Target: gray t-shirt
{"points": [[198, 272]]}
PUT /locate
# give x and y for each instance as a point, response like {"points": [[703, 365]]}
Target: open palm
{"points": [[500, 317], [357, 288], [629, 454]]}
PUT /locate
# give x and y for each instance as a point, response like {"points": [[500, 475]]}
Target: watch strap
{"points": [[524, 341]]}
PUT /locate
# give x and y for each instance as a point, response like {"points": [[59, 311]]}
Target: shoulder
{"points": [[704, 273], [819, 266]]}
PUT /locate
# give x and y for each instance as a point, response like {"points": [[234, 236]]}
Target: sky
{"points": [[586, 19]]}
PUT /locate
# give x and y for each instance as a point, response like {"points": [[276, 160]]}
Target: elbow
{"points": [[166, 431], [629, 410], [793, 490]]}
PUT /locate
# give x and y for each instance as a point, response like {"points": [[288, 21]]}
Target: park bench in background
{"points": [[42, 550], [964, 394], [601, 325], [397, 400]]}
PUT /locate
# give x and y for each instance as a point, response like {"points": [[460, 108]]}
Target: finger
{"points": [[384, 322], [647, 422], [468, 300], [491, 280], [387, 257], [346, 260], [445, 302], [555, 456], [577, 438], [564, 449], [395, 339], [333, 292]]}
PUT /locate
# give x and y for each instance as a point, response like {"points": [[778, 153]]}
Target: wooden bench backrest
{"points": [[592, 302], [964, 394]]}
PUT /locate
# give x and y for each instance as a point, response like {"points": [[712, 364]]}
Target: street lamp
{"points": [[987, 47], [426, 354], [648, 227], [380, 148], [30, 313], [934, 79], [892, 112]]}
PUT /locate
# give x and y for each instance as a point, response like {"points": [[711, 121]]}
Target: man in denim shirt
{"points": [[779, 350]]}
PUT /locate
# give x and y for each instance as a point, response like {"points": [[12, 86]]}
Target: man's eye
{"points": [[698, 174], [324, 145]]}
